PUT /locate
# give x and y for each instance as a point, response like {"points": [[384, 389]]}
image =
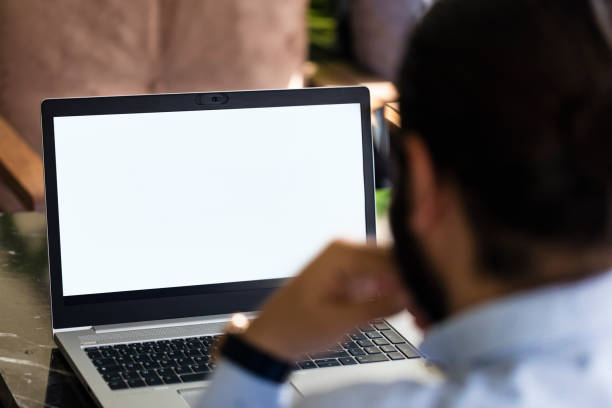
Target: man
{"points": [[502, 219]]}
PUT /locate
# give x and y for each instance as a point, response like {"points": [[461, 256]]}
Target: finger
{"points": [[388, 304], [345, 262], [364, 287], [369, 258]]}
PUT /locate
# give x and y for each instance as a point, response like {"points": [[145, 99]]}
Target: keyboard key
{"points": [[371, 358], [148, 373], [366, 328], [357, 336], [173, 355], [372, 350], [396, 355], [136, 383], [110, 369], [365, 343], [130, 375], [357, 352], [332, 362], [171, 379], [150, 365], [306, 364], [194, 377], [197, 368], [183, 361], [132, 367], [111, 377], [141, 358], [381, 342], [153, 381], [157, 356], [117, 385], [393, 337], [123, 360], [347, 360], [167, 363], [388, 349], [104, 362], [201, 360], [349, 344], [374, 335], [382, 326], [93, 354], [328, 354], [183, 370], [408, 350]]}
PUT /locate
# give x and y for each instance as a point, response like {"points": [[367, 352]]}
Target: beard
{"points": [[417, 272]]}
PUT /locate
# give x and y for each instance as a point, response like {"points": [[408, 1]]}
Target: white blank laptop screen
{"points": [[160, 200]]}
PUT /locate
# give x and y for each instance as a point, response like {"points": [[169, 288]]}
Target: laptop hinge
{"points": [[71, 329], [154, 324]]}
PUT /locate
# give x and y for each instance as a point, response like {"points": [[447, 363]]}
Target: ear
{"points": [[424, 189]]}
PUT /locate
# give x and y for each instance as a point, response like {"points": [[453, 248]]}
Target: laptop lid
{"points": [[181, 205]]}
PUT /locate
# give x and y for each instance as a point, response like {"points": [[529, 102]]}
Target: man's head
{"points": [[504, 165]]}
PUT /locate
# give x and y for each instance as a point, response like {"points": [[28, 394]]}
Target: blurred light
{"points": [[240, 321]]}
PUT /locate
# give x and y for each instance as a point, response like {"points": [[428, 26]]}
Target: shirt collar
{"points": [[523, 322]]}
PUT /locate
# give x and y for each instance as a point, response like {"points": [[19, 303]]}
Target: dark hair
{"points": [[513, 98]]}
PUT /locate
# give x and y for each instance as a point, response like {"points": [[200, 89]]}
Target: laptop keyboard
{"points": [[183, 360]]}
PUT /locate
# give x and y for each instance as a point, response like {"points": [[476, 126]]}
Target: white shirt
{"points": [[550, 347]]}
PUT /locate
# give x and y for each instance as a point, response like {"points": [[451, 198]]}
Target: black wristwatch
{"points": [[255, 360]]}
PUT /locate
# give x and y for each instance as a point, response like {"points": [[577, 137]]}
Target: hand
{"points": [[346, 285]]}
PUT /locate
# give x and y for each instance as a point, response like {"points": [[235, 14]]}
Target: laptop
{"points": [[168, 213]]}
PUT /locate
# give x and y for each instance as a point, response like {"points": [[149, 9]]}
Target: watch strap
{"points": [[254, 360]]}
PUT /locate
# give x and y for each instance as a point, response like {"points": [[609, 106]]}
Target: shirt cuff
{"points": [[233, 386]]}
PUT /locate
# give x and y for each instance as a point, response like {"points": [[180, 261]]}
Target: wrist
{"points": [[269, 343], [259, 362]]}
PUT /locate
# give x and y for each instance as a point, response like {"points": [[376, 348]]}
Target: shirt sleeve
{"points": [[232, 387]]}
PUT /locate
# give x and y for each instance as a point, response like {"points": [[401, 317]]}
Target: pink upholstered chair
{"points": [[76, 48]]}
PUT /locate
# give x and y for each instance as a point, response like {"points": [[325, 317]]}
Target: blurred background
{"points": [[69, 48]]}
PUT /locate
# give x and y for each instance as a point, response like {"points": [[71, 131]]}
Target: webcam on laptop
{"points": [[212, 99]]}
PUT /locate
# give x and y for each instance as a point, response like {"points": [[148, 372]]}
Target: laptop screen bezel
{"points": [[191, 301]]}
